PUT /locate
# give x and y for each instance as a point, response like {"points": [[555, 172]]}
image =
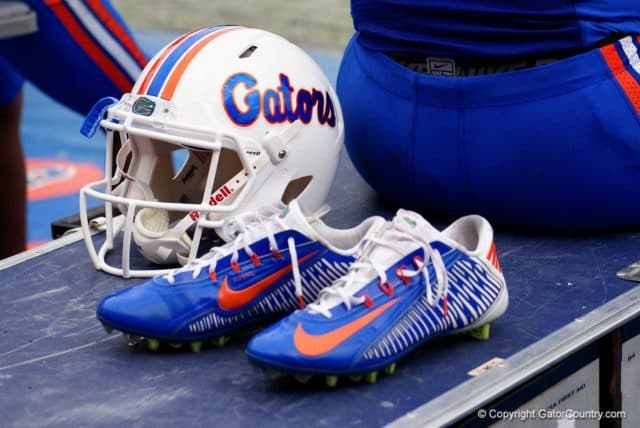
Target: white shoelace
{"points": [[247, 226], [391, 239]]}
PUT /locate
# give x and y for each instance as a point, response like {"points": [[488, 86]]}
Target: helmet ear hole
{"points": [[295, 188]]}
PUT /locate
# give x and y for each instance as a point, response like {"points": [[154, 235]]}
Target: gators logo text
{"points": [[243, 102], [143, 106]]}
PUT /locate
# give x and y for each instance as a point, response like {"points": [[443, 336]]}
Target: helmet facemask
{"points": [[165, 186]]}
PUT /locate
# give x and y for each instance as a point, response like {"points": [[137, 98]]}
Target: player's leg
{"points": [[399, 137], [557, 147], [552, 147], [12, 167], [82, 52]]}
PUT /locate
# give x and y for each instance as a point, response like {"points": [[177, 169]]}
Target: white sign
{"points": [[630, 373]]}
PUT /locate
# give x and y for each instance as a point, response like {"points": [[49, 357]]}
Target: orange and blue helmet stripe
{"points": [[165, 73]]}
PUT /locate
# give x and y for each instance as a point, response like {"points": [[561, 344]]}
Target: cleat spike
{"points": [[130, 339], [371, 377], [302, 378], [220, 341], [196, 346], [153, 344], [480, 333], [107, 328], [332, 381], [355, 378], [390, 369]]}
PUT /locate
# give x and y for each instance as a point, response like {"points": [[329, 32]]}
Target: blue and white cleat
{"points": [[410, 284], [278, 261]]}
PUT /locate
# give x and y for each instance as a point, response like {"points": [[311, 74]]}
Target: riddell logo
{"points": [[214, 200]]}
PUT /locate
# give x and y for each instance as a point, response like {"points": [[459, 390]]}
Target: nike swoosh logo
{"points": [[229, 299], [439, 66], [313, 345]]}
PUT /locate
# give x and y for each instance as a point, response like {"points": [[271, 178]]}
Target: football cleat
{"points": [[279, 260], [410, 284]]}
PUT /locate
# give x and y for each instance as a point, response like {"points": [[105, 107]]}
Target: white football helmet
{"points": [[221, 121]]}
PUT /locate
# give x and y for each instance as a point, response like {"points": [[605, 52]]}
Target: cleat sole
{"points": [[480, 333], [195, 346], [332, 381], [355, 378], [153, 344], [176, 345]]}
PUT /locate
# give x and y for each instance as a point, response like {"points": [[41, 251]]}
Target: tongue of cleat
{"points": [[404, 222], [414, 224], [293, 217]]}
